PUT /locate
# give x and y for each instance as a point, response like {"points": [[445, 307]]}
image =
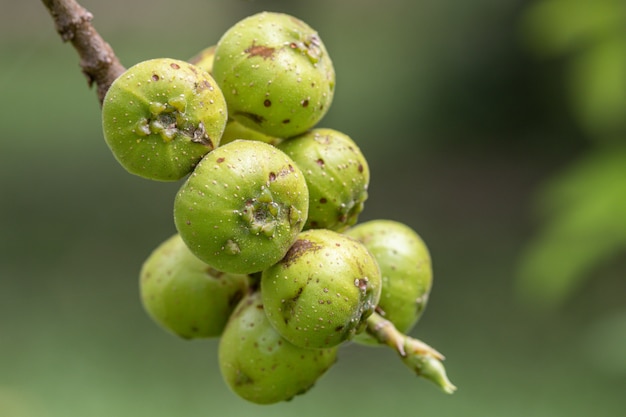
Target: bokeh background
{"points": [[496, 129]]}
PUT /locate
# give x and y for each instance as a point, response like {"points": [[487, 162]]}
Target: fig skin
{"points": [[259, 365], [276, 74], [161, 116], [205, 58], [184, 295], [336, 173], [406, 270], [321, 293], [235, 130], [242, 207]]}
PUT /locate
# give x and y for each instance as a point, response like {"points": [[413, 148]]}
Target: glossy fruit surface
{"points": [[242, 207], [235, 130], [259, 365], [405, 266], [184, 295], [322, 291], [275, 73], [336, 173], [161, 116]]}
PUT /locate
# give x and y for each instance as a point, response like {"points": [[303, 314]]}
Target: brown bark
{"points": [[97, 59]]}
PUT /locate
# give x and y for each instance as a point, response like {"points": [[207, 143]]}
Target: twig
{"points": [[97, 59], [415, 354]]}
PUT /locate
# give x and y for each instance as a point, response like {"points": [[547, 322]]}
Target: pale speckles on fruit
{"points": [[327, 276], [246, 192], [405, 266], [261, 366], [276, 74], [161, 116], [337, 175]]}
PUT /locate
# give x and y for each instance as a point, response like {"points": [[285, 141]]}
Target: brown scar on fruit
{"points": [[264, 52], [299, 248]]}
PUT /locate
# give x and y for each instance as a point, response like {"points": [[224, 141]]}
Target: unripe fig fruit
{"points": [[259, 365], [275, 73], [235, 130], [405, 267], [204, 59], [242, 207], [186, 296], [336, 173], [161, 116], [322, 291]]}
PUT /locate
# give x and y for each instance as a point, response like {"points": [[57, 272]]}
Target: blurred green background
{"points": [[496, 129]]}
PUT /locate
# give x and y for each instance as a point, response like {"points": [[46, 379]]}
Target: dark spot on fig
{"points": [[305, 103], [214, 273], [260, 50], [243, 378], [254, 117], [272, 176], [286, 121], [338, 328], [155, 77], [220, 160], [175, 65], [361, 283], [234, 299], [267, 102], [361, 168], [320, 162], [300, 247], [323, 200], [293, 45]]}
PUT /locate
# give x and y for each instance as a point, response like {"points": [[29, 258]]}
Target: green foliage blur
{"points": [[495, 129]]}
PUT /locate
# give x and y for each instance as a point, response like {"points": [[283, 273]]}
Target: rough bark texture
{"points": [[97, 59]]}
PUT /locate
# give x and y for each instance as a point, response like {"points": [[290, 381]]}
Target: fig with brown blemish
{"points": [[261, 366], [242, 207], [324, 289], [406, 271], [185, 296], [336, 173], [276, 74], [161, 116]]}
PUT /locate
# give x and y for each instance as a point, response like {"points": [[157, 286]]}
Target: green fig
{"points": [[242, 207], [336, 173], [204, 59], [321, 293], [259, 365], [161, 116], [186, 296], [276, 74], [405, 267], [235, 130]]}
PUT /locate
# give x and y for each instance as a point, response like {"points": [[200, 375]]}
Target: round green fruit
{"points": [[184, 295], [275, 73], [235, 130], [322, 291], [204, 59], [405, 267], [336, 173], [242, 207], [161, 116], [259, 365]]}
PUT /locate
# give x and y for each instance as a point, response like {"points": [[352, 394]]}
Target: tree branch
{"points": [[97, 59]]}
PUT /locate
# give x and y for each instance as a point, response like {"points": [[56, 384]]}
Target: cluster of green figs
{"points": [[268, 255]]}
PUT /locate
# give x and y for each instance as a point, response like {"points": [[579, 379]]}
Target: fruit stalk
{"points": [[421, 358], [97, 59]]}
